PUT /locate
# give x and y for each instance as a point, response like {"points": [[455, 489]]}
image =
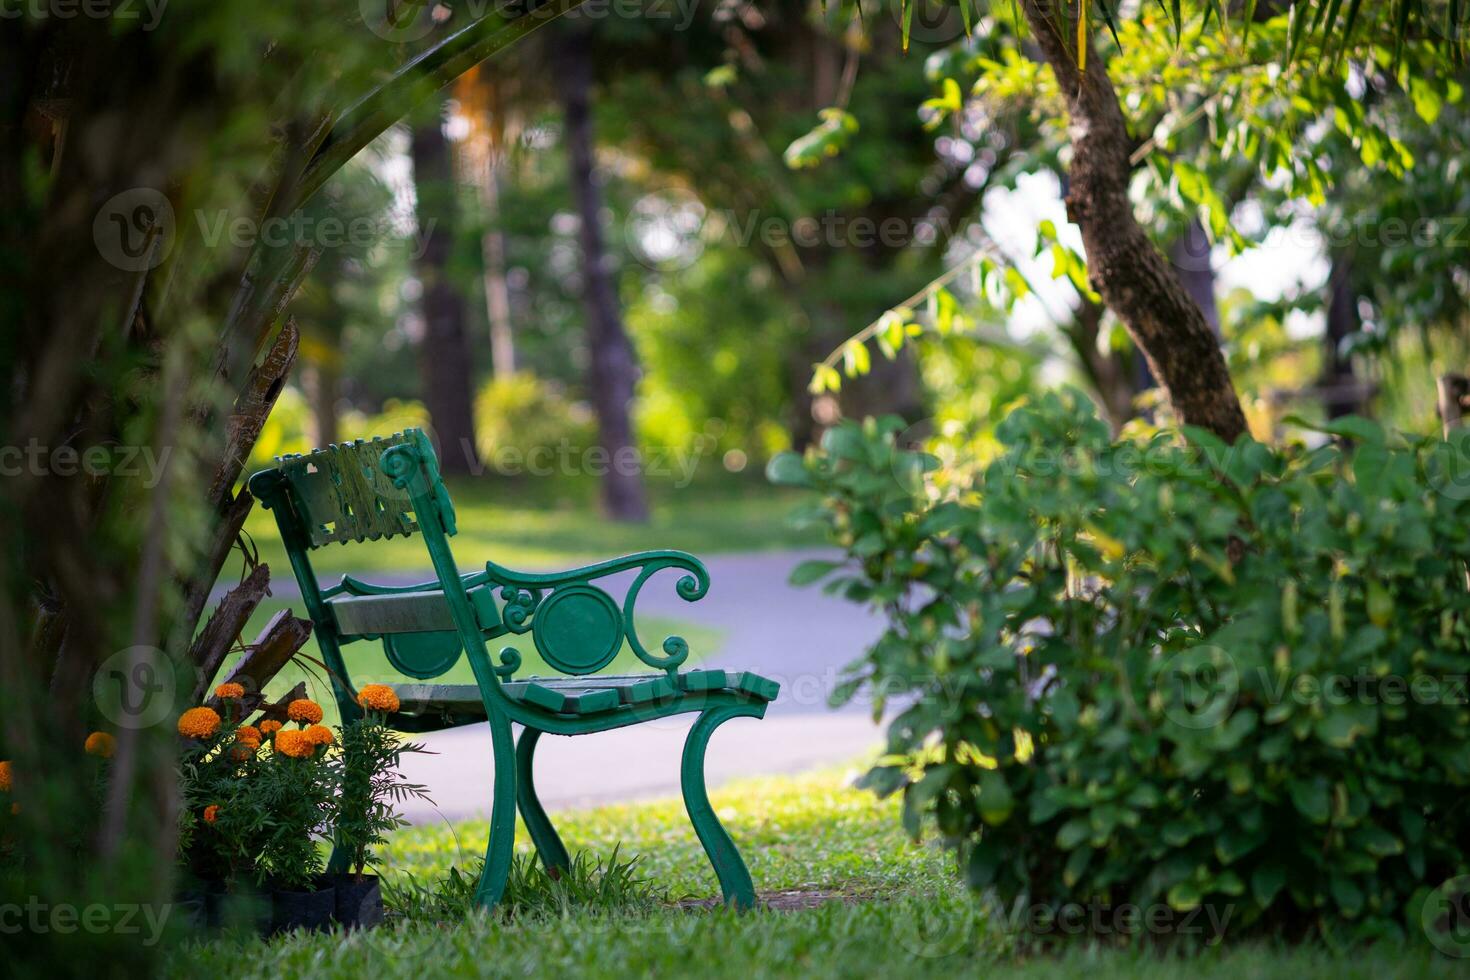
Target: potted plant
{"points": [[369, 787], [290, 795], [220, 831]]}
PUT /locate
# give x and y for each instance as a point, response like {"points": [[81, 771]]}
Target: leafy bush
{"points": [[521, 415], [1166, 670]]}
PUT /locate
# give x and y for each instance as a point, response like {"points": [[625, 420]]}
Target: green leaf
{"points": [[1266, 881], [996, 800], [855, 358], [1347, 894], [828, 138], [1108, 16], [1185, 896], [788, 469], [1349, 426], [1312, 798], [812, 571], [1073, 832], [824, 378]]}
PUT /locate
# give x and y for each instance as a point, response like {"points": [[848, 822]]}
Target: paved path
{"points": [[797, 636]]}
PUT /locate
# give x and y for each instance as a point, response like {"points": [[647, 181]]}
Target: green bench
{"points": [[369, 490]]}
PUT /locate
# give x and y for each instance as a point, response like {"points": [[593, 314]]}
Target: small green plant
{"points": [[1167, 672], [588, 884], [370, 785]]}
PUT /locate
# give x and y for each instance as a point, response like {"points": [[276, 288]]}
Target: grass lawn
{"points": [[541, 523], [366, 663], [895, 911]]}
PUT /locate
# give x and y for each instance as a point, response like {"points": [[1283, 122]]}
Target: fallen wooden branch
{"points": [[273, 649], [276, 711], [218, 637]]}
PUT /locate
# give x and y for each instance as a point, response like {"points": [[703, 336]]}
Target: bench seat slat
{"points": [[581, 695]]}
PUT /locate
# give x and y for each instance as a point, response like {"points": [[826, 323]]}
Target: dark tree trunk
{"points": [[1342, 393], [1190, 255], [323, 387], [1110, 373], [1134, 278], [444, 355], [613, 371]]}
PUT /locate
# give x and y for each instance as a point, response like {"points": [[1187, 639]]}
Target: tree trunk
{"points": [[323, 387], [444, 354], [1342, 394], [1111, 374], [1132, 275], [1190, 255], [497, 290], [613, 372]]}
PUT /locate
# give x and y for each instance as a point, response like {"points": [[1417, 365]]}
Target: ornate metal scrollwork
{"points": [[520, 604], [510, 662], [523, 593]]}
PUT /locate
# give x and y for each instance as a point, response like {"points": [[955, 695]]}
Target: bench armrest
{"points": [[523, 591]]}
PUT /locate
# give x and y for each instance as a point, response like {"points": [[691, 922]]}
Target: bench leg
{"points": [[548, 844], [734, 877], [502, 816]]}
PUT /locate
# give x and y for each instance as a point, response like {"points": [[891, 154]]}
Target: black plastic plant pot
{"points": [[238, 905], [309, 910], [359, 900], [193, 901]]}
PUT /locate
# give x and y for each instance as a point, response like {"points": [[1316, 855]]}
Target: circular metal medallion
{"points": [[578, 629]]}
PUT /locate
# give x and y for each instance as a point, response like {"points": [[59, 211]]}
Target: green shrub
{"points": [[1167, 671], [519, 416]]}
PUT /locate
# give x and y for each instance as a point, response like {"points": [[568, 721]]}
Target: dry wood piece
{"points": [[218, 636], [226, 533], [276, 710], [257, 397], [281, 639]]}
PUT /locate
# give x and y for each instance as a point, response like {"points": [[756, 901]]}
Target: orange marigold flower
{"points": [[14, 809], [4, 777], [304, 709], [211, 813], [241, 752], [101, 745], [319, 735], [269, 727], [199, 722], [294, 744], [378, 697], [248, 735], [230, 690]]}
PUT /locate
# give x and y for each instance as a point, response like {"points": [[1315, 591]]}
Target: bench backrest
{"points": [[342, 494]]}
